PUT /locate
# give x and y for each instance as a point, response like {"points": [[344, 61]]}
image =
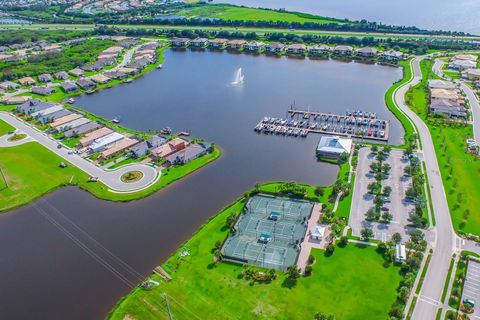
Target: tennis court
{"points": [[268, 232]]}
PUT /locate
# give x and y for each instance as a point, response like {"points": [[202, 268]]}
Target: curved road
{"points": [[445, 238], [110, 178]]}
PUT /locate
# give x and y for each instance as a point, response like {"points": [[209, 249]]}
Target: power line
{"points": [[87, 250]]}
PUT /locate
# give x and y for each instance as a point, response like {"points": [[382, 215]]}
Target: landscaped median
{"points": [[353, 283]]}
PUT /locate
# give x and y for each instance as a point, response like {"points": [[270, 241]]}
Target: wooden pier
{"points": [[300, 123]]}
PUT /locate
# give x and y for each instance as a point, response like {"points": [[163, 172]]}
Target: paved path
{"points": [[109, 178], [443, 234], [5, 143], [444, 244]]}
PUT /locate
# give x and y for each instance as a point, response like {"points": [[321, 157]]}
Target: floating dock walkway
{"points": [[299, 123]]}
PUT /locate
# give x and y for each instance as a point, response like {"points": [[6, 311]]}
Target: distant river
{"points": [[45, 270], [459, 15]]}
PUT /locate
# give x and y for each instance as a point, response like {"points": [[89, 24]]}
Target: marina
{"points": [[299, 123]]}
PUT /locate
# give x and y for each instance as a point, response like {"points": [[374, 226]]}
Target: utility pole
{"points": [[168, 306]]}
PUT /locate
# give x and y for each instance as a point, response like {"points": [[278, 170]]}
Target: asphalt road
{"points": [[109, 178], [445, 238]]}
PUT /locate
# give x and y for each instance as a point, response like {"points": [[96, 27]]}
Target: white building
{"points": [[101, 143], [333, 146], [400, 253], [318, 232]]}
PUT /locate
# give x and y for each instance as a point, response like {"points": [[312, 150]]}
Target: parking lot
{"points": [[363, 201], [471, 288]]}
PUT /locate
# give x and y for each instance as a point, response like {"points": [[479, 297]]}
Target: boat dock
{"points": [[354, 124]]}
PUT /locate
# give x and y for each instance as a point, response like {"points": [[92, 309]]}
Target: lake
{"points": [[460, 15], [70, 255]]}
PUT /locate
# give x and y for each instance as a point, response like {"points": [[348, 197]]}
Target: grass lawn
{"points": [[452, 74], [229, 12], [351, 284], [37, 172], [459, 169], [5, 128]]}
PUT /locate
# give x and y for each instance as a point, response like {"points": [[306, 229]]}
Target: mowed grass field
{"points": [[351, 284], [5, 128], [460, 170], [229, 12], [31, 171]]}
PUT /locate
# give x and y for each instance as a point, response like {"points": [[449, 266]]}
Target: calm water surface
{"points": [[55, 269], [459, 15]]}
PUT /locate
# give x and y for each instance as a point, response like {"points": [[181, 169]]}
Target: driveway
{"points": [[110, 178], [363, 201]]}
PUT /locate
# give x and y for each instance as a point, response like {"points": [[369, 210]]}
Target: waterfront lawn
{"points": [[31, 171], [230, 12], [5, 128], [351, 284]]}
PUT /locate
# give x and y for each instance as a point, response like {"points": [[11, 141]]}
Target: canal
{"points": [[70, 255]]}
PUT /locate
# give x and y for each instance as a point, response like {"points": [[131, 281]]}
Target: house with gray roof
{"points": [[9, 85], [61, 75], [449, 108], [144, 147], [366, 52], [275, 48], [85, 128], [43, 90], [86, 84], [45, 77], [33, 106], [53, 116], [191, 152], [69, 86]]}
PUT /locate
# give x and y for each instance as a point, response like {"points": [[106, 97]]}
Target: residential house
{"points": [[90, 137], [9, 85], [69, 86], [47, 111], [86, 84], [236, 44], [144, 147], [17, 99], [85, 128], [76, 72], [61, 75], [218, 43], [451, 95], [467, 57], [52, 48], [53, 116], [179, 42], [45, 77], [101, 143], [72, 124], [43, 90], [115, 75], [254, 46], [461, 65], [391, 56], [114, 49], [169, 148], [100, 78], [472, 74], [62, 120], [275, 48], [296, 48], [117, 147], [334, 146], [198, 42], [448, 107], [318, 50], [366, 52], [32, 106], [189, 153], [26, 81], [343, 50], [440, 84], [128, 71]]}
